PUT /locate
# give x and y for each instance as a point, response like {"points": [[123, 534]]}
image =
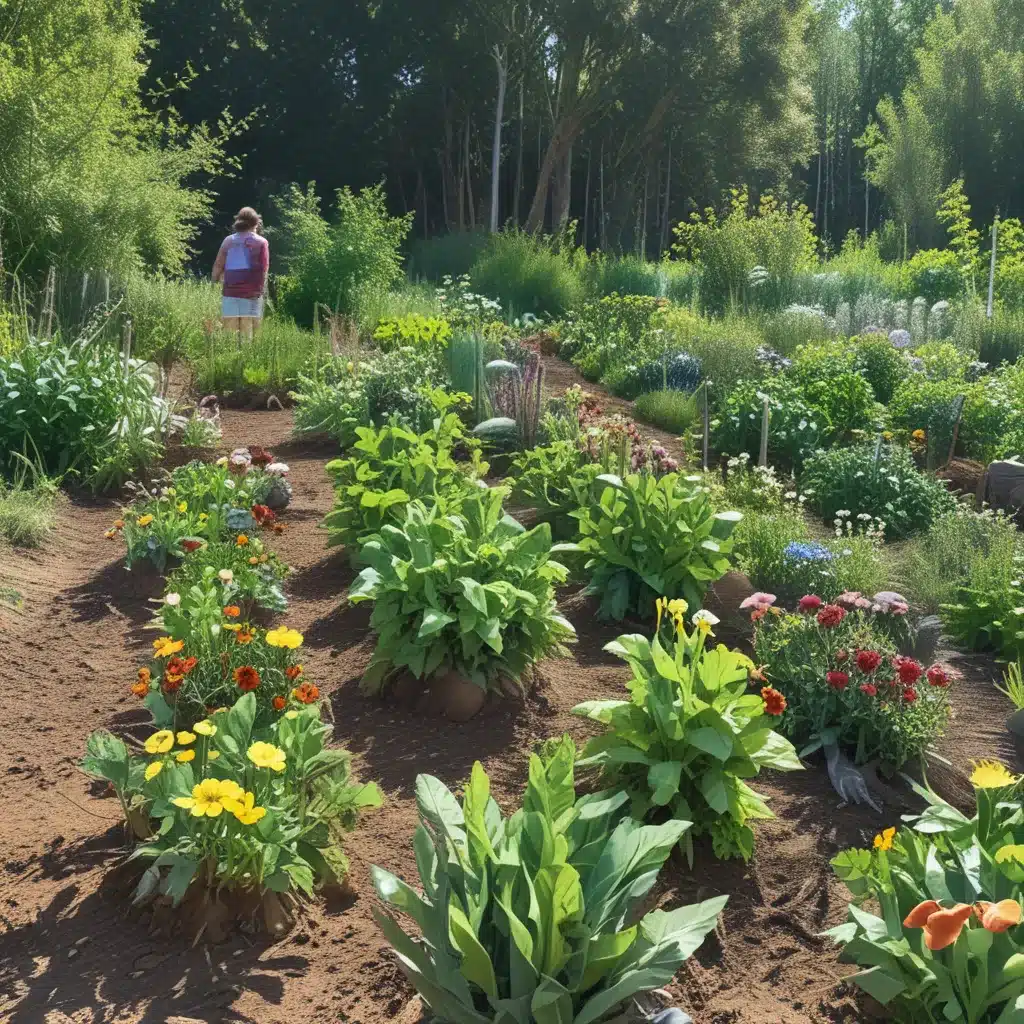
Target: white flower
{"points": [[173, 599], [705, 616], [790, 495], [229, 484], [222, 461], [277, 469], [226, 575]]}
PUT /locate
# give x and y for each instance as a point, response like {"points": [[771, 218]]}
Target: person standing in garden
{"points": [[243, 263]]}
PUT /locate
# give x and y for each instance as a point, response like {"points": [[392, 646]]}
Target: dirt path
{"points": [[71, 952]]}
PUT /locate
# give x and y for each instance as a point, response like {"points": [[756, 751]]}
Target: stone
{"points": [[1004, 485], [725, 596], [456, 697], [926, 639]]}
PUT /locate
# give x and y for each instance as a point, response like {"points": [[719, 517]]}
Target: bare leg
{"points": [[231, 323]]}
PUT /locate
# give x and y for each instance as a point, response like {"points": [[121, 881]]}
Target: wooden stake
{"points": [[763, 458], [707, 428], [992, 266]]}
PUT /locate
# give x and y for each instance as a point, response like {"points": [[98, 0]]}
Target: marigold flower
{"points": [[188, 664], [774, 702], [937, 676], [245, 635], [246, 677], [278, 703], [144, 520], [140, 689], [831, 615], [118, 524], [758, 614], [284, 637], [185, 738], [241, 540], [884, 840], [868, 661], [160, 742], [992, 775], [172, 682], [909, 694], [110, 534], [266, 755], [184, 756], [998, 917], [293, 672], [837, 680], [869, 689], [809, 603], [232, 627], [909, 670], [153, 769], [918, 435], [144, 675], [232, 611], [190, 544], [205, 728], [165, 646], [306, 693], [174, 667]]}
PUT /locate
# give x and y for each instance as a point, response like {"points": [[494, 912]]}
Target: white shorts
{"points": [[241, 307]]}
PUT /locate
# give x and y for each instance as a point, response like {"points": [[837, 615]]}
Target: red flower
{"points": [[278, 703], [810, 603], [189, 546], [260, 456], [172, 682], [937, 676], [757, 614], [262, 514], [908, 669], [909, 694], [837, 680], [307, 693], [293, 672], [868, 661], [247, 678], [842, 654], [188, 664], [869, 689], [831, 615], [774, 702]]}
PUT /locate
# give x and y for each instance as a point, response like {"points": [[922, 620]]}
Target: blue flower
{"points": [[798, 551]]}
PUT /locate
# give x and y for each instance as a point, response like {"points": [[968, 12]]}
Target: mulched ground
{"points": [[70, 950]]}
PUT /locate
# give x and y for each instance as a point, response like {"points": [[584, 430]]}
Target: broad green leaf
{"points": [[712, 787], [433, 622], [880, 985], [476, 962], [712, 742], [663, 778]]}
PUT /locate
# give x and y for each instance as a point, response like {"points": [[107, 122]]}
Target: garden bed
{"points": [[71, 952]]}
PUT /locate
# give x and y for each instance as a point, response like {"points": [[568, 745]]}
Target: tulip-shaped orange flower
{"points": [[998, 917], [941, 927]]}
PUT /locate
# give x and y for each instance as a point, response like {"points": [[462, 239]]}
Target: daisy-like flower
{"points": [[992, 775], [266, 755], [883, 841], [705, 620]]}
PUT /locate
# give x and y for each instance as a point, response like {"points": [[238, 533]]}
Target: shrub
{"points": [[690, 734], [393, 466], [646, 536], [411, 330], [933, 274], [1002, 339], [471, 593], [543, 924], [881, 481], [622, 275], [677, 371], [674, 411], [609, 333], [256, 574], [795, 326], [230, 810], [77, 408], [542, 479], [331, 400], [882, 365], [948, 890], [334, 264], [400, 383], [846, 684]]}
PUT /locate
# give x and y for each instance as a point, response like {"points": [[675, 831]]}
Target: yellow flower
{"points": [[992, 775], [884, 841], [144, 520], [204, 728], [203, 517], [165, 646], [266, 755], [160, 742], [184, 756], [350, 366], [677, 606], [153, 770], [284, 637], [887, 435], [234, 627], [185, 738], [208, 798], [244, 810], [918, 435], [241, 540], [182, 506], [704, 620], [291, 715], [213, 755]]}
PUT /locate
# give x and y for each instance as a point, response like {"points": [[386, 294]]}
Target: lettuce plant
{"points": [[473, 592], [542, 479], [533, 917], [690, 733], [946, 943], [648, 536]]}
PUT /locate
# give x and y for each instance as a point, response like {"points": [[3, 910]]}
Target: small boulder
{"points": [[725, 596], [456, 697], [1004, 485]]}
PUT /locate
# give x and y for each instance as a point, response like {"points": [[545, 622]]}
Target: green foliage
{"points": [[543, 479], [934, 274], [391, 467], [27, 512], [878, 480], [471, 592], [223, 823], [533, 917], [170, 318], [448, 255], [335, 264], [975, 972], [829, 377], [256, 580], [78, 407], [727, 349], [646, 536], [890, 710], [882, 365], [622, 275], [332, 401], [688, 737], [674, 411], [615, 330], [955, 212], [411, 330]]}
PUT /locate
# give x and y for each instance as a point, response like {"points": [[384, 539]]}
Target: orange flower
{"points": [[110, 534], [245, 636], [757, 674], [307, 693], [254, 560], [774, 702], [145, 675], [247, 678], [140, 689], [278, 703], [998, 917], [172, 682], [118, 524], [279, 527], [293, 672], [941, 927], [241, 540], [232, 611], [188, 664]]}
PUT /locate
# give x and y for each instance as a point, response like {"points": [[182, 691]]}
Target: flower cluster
{"points": [[867, 525]]}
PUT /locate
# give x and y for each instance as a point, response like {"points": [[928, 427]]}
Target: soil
{"points": [[71, 950]]}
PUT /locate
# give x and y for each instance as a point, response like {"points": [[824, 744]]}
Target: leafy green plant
{"points": [[471, 592], [1013, 684], [845, 682], [256, 574], [542, 479], [228, 810], [27, 510], [884, 366], [944, 944], [647, 536], [613, 330], [879, 480], [332, 400], [987, 612], [392, 466], [690, 733], [531, 917], [411, 330], [674, 411]]}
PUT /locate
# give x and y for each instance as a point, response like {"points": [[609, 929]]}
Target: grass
{"points": [[406, 299], [27, 513], [674, 411]]}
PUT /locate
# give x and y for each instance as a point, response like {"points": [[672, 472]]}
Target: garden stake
{"points": [[707, 430], [992, 267], [763, 457]]}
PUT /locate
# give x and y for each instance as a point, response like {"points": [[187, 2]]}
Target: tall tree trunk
{"points": [[663, 241], [519, 155], [586, 204], [499, 114], [469, 180], [602, 233], [561, 194]]}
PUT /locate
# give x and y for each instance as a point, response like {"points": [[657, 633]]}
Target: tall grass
{"points": [[406, 298], [624, 275], [27, 511], [169, 317], [674, 411]]}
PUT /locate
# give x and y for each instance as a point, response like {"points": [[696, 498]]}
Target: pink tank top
{"points": [[246, 262]]}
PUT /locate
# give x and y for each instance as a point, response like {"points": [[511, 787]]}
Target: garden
{"points": [[621, 622]]}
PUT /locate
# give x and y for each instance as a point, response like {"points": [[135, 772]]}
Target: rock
{"points": [[279, 495], [671, 1016], [725, 596], [1003, 486], [1015, 723], [456, 697], [926, 639]]}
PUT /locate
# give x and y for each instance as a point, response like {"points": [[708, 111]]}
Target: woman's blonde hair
{"points": [[247, 219]]}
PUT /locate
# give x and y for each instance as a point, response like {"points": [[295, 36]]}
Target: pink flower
{"points": [[848, 599], [837, 680], [908, 669], [831, 615], [758, 600], [869, 689], [938, 676], [868, 661], [809, 603]]}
